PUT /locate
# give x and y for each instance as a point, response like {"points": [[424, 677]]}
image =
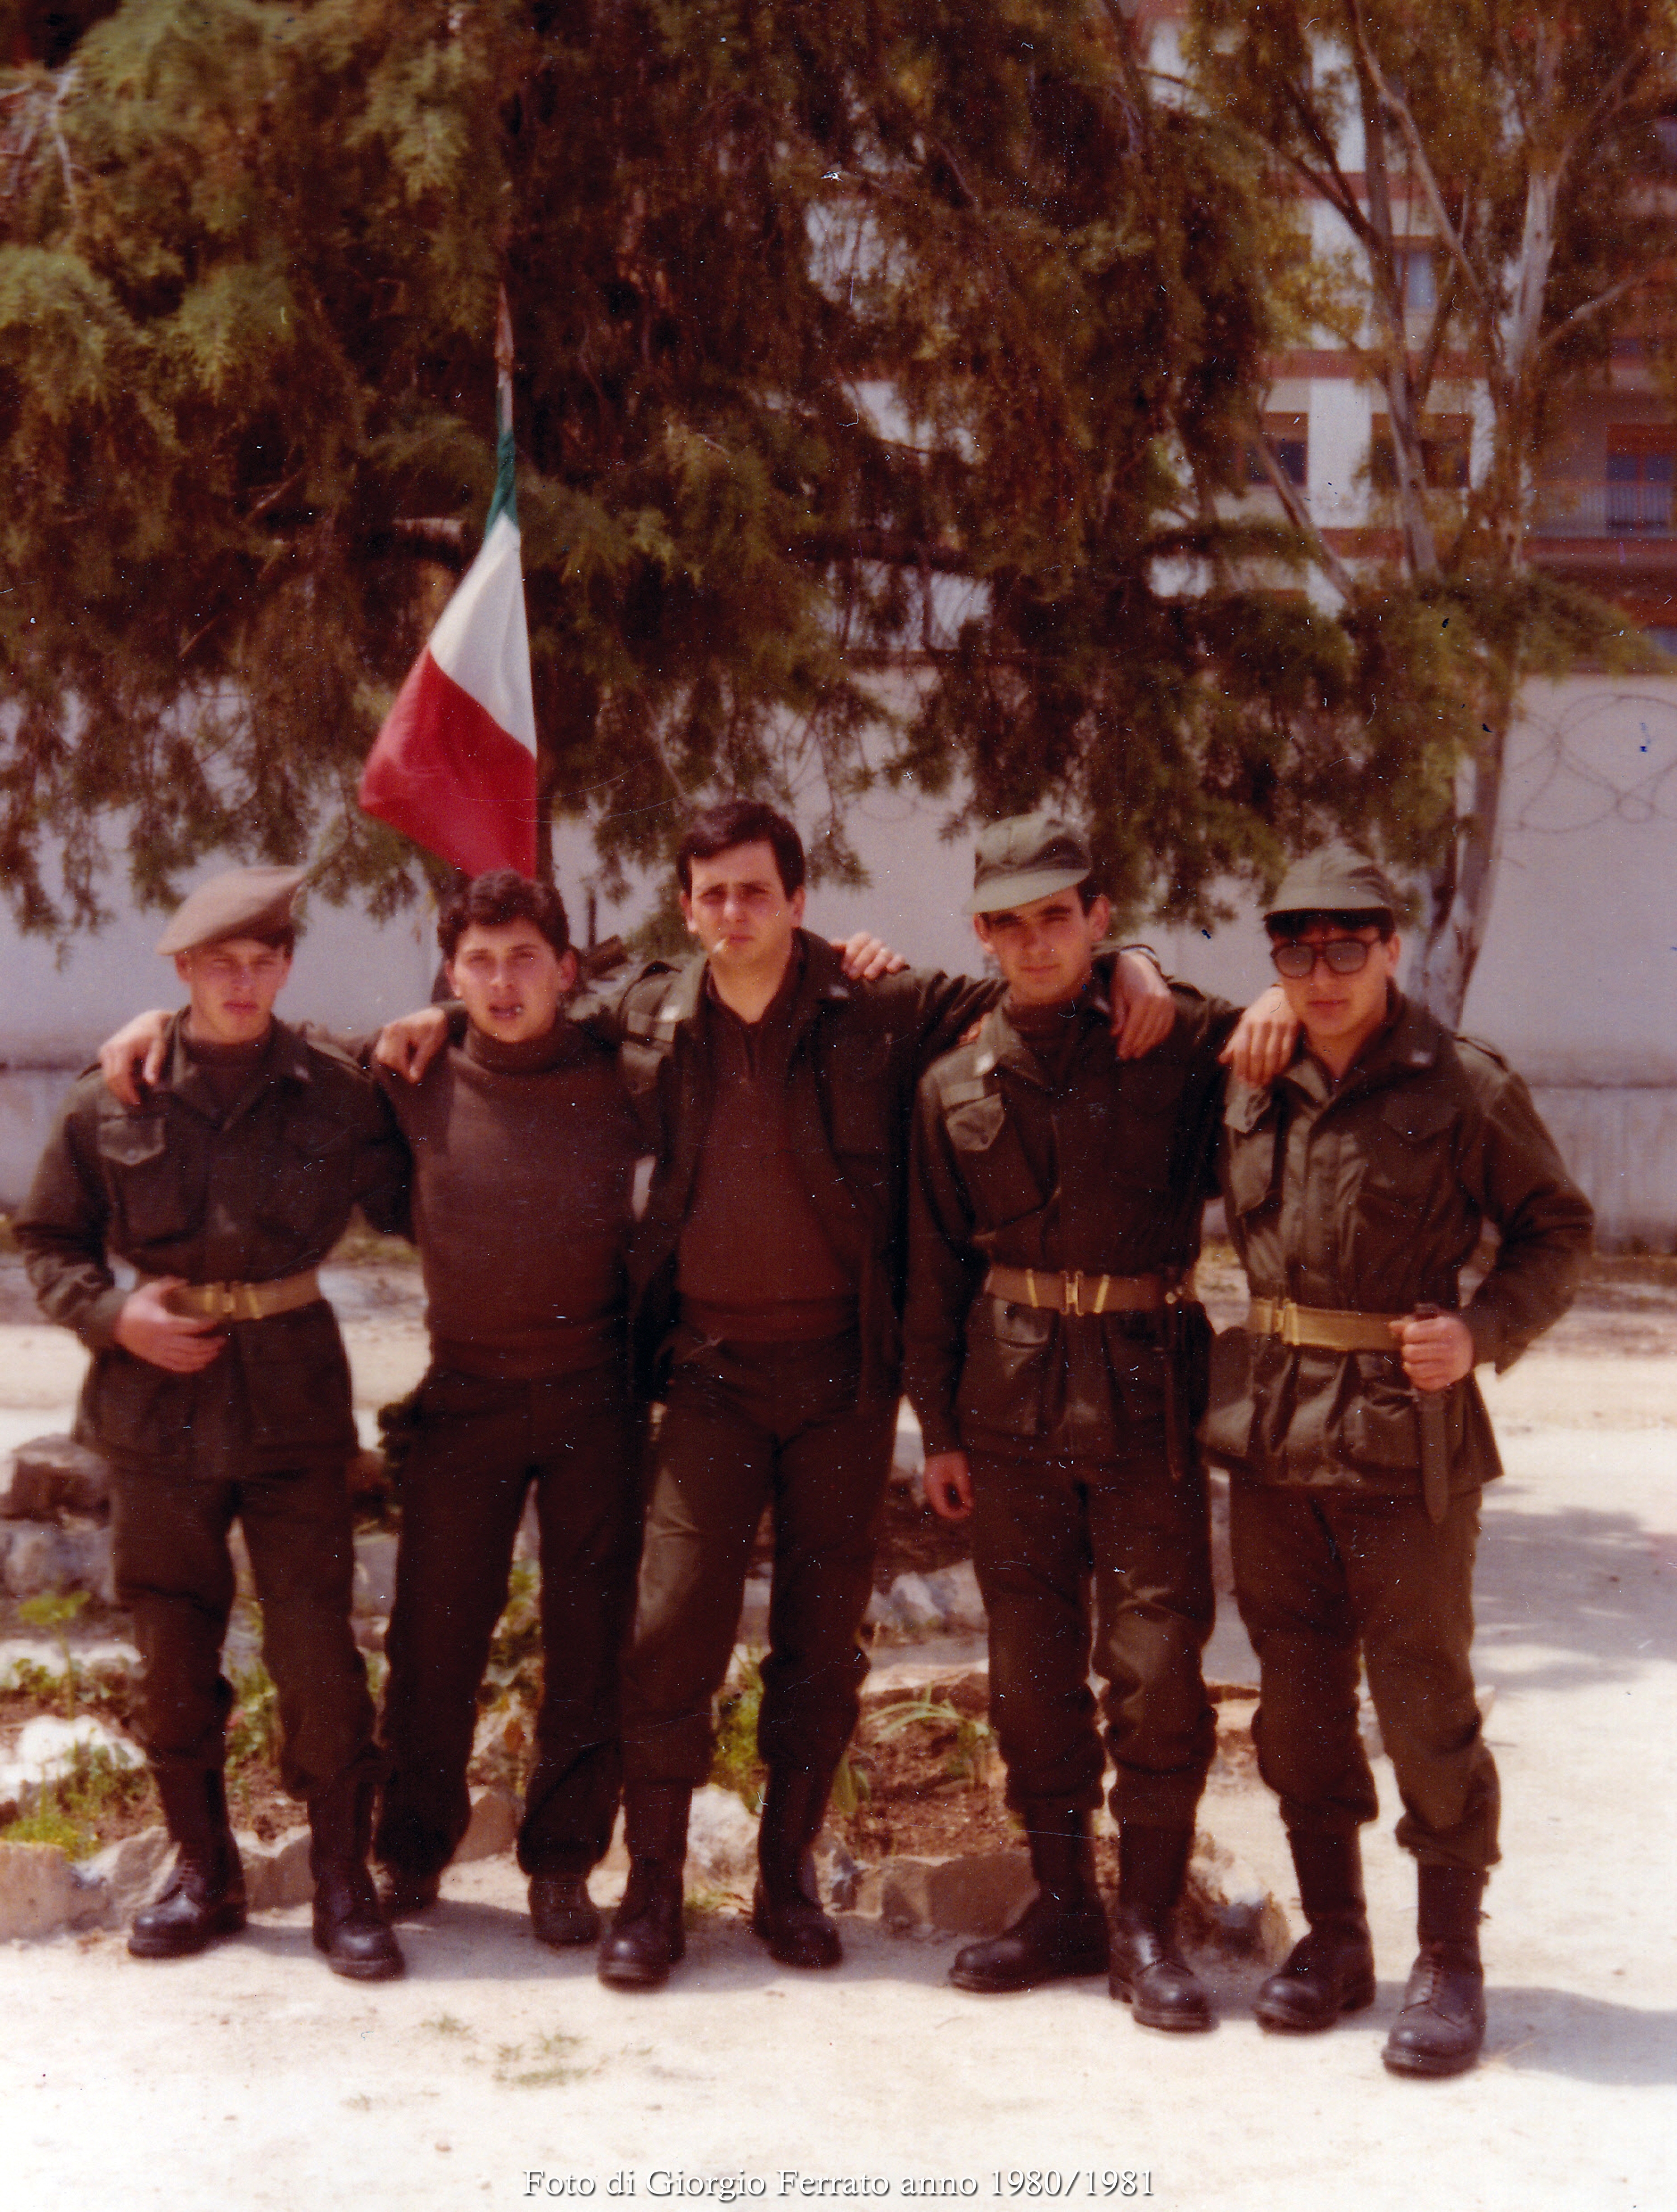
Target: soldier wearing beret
{"points": [[219, 1390], [1357, 1187], [1052, 1351]]}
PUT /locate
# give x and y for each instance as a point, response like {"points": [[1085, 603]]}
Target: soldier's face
{"points": [[1338, 1013], [510, 980], [233, 985], [1047, 949], [741, 912]]}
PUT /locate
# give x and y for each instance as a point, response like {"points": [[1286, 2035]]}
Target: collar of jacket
{"points": [[1411, 1039], [999, 1043], [823, 982], [285, 1061]]}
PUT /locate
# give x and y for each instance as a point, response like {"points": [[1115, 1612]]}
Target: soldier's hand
{"points": [[948, 1481], [1436, 1351], [183, 1343], [409, 1045], [867, 958], [1264, 1039], [1144, 1013], [134, 1055]]}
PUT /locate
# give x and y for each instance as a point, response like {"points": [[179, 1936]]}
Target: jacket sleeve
{"points": [[943, 1274], [940, 1009], [62, 1228], [384, 1178], [1519, 1182]]}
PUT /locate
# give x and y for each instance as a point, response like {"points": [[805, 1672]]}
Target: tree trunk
{"points": [[1463, 880]]}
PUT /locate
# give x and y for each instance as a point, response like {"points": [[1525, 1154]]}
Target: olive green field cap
{"points": [[242, 902], [1336, 880], [1026, 857]]}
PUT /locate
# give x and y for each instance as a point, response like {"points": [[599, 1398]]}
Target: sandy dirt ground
{"points": [[499, 2074]]}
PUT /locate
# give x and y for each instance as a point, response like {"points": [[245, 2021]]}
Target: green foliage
{"points": [[734, 1762], [513, 1675], [72, 1810], [970, 1757], [253, 1732], [54, 1610], [821, 312]]}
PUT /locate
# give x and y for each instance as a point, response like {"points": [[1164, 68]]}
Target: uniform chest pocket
{"points": [[1407, 1149], [991, 1161], [309, 1177], [147, 1182]]}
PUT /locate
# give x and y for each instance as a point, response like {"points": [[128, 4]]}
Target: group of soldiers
{"points": [[864, 1180]]}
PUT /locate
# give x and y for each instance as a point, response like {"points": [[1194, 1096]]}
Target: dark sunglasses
{"points": [[1342, 955]]}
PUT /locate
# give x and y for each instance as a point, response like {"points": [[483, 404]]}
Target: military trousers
{"points": [[174, 1573], [476, 1450], [1324, 1576], [1111, 1556], [748, 1425]]}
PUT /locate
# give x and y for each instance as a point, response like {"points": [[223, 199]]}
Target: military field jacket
{"points": [[1372, 1196], [1105, 1172], [858, 1051], [174, 1190]]}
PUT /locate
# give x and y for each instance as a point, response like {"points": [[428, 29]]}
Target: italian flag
{"points": [[454, 766]]}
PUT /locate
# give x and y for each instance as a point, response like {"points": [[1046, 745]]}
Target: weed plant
{"points": [[72, 1810]]}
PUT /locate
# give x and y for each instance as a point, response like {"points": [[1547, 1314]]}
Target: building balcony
{"points": [[1604, 511]]}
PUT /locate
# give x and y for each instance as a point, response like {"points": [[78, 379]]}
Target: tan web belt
{"points": [[245, 1300], [1323, 1329], [1078, 1293]]}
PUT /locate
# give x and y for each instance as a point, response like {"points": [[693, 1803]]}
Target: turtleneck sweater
{"points": [[523, 1159]]}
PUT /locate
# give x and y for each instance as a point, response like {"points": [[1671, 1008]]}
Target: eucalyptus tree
{"points": [[1519, 150]]}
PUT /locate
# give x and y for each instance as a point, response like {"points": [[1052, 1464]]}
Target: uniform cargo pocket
{"points": [[1378, 1429], [1226, 1430], [1003, 1378]]}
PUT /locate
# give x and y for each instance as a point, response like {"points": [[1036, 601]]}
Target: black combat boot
{"points": [[785, 1910], [349, 1926], [1441, 2028], [1147, 1971], [1061, 1933], [1331, 1970], [204, 1896], [646, 1937], [562, 1912]]}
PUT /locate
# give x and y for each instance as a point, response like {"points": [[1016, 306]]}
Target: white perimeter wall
{"points": [[1578, 984]]}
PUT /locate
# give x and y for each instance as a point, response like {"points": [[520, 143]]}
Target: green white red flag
{"points": [[454, 766]]}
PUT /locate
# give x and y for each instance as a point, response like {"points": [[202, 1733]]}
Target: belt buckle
{"points": [[1073, 1283], [1288, 1331]]}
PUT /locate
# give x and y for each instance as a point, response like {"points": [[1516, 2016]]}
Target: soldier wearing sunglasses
{"points": [[1357, 1187]]}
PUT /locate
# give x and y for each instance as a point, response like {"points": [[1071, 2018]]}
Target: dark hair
{"points": [[742, 821], [501, 896], [1295, 925], [282, 940]]}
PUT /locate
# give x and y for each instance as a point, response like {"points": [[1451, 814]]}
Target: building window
{"points": [[1289, 436], [1640, 471], [1418, 276]]}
